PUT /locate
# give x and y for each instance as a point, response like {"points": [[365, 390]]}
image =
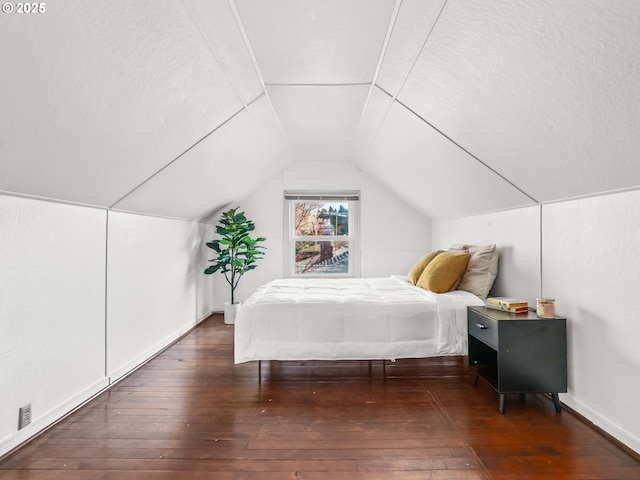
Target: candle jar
{"points": [[545, 307]]}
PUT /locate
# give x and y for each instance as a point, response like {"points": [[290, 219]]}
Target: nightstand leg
{"points": [[475, 379], [501, 407], [556, 402]]}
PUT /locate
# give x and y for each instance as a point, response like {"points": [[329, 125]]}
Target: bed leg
{"points": [[259, 371]]}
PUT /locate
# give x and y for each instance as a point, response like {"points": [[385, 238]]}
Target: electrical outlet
{"points": [[24, 417]]}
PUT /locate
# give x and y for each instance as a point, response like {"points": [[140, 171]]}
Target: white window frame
{"points": [[353, 199]]}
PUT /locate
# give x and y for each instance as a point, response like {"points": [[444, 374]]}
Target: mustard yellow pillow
{"points": [[441, 274], [418, 268]]}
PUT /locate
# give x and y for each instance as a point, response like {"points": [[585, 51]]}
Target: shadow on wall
{"points": [[194, 277], [500, 285], [515, 278]]}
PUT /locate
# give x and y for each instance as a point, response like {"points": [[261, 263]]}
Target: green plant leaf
{"points": [[237, 252]]}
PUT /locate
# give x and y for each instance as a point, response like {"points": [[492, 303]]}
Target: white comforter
{"points": [[354, 318]]}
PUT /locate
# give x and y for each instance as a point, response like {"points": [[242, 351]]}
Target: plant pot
{"points": [[230, 312]]}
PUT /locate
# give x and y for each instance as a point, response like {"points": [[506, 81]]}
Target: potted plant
{"points": [[237, 253]]}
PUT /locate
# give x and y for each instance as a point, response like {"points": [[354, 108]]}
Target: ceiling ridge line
{"points": [[42, 198], [383, 53], [421, 49], [213, 52], [247, 43], [114, 205], [384, 117], [394, 96], [615, 191], [156, 215], [229, 77], [487, 212], [467, 151]]}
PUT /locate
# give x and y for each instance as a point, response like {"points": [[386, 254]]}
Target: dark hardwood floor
{"points": [[191, 413]]}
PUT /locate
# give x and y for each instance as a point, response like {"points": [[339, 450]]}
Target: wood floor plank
{"points": [[191, 413]]}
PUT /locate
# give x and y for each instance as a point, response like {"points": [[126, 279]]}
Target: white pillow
{"points": [[481, 271]]}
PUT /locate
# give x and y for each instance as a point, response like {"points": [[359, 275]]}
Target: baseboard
{"points": [[624, 439], [43, 422], [153, 351], [205, 316]]}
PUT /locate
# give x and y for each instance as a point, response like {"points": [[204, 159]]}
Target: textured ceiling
{"points": [[457, 106]]}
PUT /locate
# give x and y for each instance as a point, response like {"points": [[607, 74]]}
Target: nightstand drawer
{"points": [[484, 329]]}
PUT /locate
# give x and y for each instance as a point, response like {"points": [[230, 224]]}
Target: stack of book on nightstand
{"points": [[513, 305]]}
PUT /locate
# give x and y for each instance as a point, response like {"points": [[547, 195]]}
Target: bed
{"points": [[383, 318], [350, 319]]}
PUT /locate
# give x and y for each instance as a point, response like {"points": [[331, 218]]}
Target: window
{"points": [[321, 231]]}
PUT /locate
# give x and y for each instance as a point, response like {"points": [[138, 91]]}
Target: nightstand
{"points": [[518, 353]]}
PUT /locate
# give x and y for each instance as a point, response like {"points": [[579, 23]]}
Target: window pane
{"points": [[322, 257], [321, 218]]}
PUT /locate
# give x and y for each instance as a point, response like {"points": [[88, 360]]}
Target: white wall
{"points": [[153, 285], [61, 266], [516, 233], [394, 235], [56, 284], [591, 265], [584, 253], [52, 311]]}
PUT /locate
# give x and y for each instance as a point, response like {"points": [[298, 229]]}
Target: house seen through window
{"points": [[321, 231]]}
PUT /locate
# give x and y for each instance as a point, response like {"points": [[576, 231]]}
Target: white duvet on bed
{"points": [[350, 319]]}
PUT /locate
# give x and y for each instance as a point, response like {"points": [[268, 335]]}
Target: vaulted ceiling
{"points": [[457, 106]]}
